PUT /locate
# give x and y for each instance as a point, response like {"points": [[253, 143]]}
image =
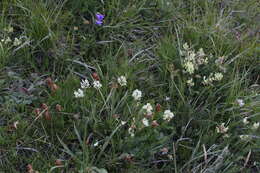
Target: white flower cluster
{"points": [[7, 39], [145, 122], [190, 82], [131, 131], [148, 109], [194, 60], [122, 81], [97, 84], [17, 42], [220, 63], [211, 78], [245, 120], [222, 128], [240, 102], [79, 93], [86, 84], [9, 29], [132, 128], [255, 126], [148, 118], [137, 94], [168, 115], [244, 137]]}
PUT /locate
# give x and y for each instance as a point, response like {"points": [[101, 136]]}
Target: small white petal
{"points": [[97, 84], [79, 93], [168, 115], [84, 84], [122, 81], [145, 122], [137, 94], [255, 126], [240, 102]]}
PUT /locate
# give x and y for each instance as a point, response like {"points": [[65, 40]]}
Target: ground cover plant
{"points": [[93, 86]]}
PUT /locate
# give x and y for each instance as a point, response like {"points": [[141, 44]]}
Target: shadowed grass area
{"points": [[159, 86]]}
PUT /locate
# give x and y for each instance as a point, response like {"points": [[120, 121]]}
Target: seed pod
{"points": [[49, 81], [150, 115], [30, 168], [51, 84], [95, 76], [44, 106], [54, 87], [158, 107], [130, 52], [58, 162], [47, 115], [37, 111], [89, 139], [154, 123], [58, 108]]}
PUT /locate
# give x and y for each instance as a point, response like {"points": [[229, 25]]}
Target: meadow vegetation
{"points": [[98, 86]]}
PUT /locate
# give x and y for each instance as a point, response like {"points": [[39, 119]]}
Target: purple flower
{"points": [[99, 18], [98, 22]]}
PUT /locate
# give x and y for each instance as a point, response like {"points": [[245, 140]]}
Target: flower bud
{"points": [[30, 168], [154, 123], [58, 108], [95, 76], [44, 106], [37, 111], [149, 115], [49, 81], [58, 162], [158, 107], [54, 87], [47, 115]]}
